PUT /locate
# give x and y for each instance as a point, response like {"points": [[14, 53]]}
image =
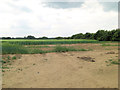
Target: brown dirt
{"points": [[64, 70]]}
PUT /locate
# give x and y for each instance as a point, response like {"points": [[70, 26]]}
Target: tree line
{"points": [[101, 35]]}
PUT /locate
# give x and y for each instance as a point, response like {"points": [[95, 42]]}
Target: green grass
{"points": [[66, 49], [115, 62], [3, 70], [19, 49], [110, 45], [13, 49], [14, 57], [38, 46], [2, 61], [110, 62], [5, 67], [36, 51], [16, 46], [8, 58], [50, 41]]}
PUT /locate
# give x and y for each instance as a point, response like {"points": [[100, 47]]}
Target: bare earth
{"points": [[83, 69]]}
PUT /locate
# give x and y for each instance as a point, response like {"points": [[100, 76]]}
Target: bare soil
{"points": [[83, 69]]}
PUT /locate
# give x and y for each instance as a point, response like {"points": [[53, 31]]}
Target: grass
{"points": [[63, 49], [5, 67], [110, 62], [36, 51], [110, 45], [8, 57], [66, 49], [8, 48], [3, 70], [13, 49], [38, 46], [50, 41], [14, 57], [6, 61], [15, 46], [2, 61]]}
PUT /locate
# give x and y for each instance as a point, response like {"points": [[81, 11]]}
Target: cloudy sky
{"points": [[19, 18]]}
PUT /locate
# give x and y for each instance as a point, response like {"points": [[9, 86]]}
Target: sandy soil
{"points": [[64, 70]]}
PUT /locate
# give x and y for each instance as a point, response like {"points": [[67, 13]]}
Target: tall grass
{"points": [[17, 46], [13, 49], [46, 42], [8, 48]]}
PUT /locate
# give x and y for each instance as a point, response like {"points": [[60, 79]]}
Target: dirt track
{"points": [[63, 70]]}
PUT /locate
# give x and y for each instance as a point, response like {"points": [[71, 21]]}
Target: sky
{"points": [[19, 18]]}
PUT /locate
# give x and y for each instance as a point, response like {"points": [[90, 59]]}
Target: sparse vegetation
{"points": [[5, 61], [14, 57], [2, 61], [13, 49], [66, 49], [3, 70], [63, 49], [20, 49], [37, 46], [8, 57], [111, 61], [36, 51], [110, 45]]}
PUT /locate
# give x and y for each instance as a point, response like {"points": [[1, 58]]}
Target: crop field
{"points": [[51, 41], [66, 63]]}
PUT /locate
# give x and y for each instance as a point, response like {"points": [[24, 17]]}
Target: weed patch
{"points": [[110, 62], [13, 49]]}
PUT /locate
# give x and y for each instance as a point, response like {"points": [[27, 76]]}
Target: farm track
{"points": [[64, 70]]}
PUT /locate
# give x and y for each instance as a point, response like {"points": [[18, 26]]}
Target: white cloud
{"points": [[25, 17]]}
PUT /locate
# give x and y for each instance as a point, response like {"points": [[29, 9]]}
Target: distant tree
{"points": [[59, 38], [116, 36], [25, 38], [101, 35], [44, 37], [89, 36], [78, 36], [67, 37], [6, 37], [30, 37]]}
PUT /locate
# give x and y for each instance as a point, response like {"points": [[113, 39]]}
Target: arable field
{"points": [[59, 64]]}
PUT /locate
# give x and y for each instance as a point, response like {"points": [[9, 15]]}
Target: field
{"points": [[72, 63]]}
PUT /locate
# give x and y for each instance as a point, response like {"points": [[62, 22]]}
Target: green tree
{"points": [[30, 37], [116, 36]]}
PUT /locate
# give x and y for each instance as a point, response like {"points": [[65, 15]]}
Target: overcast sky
{"points": [[19, 18]]}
